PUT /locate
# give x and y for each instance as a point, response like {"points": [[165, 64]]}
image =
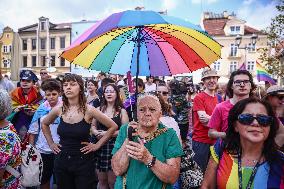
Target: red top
{"points": [[207, 103]]}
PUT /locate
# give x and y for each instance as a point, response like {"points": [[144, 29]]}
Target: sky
{"points": [[20, 13]]}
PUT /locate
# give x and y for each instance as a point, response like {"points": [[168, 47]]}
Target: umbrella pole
{"points": [[137, 70]]}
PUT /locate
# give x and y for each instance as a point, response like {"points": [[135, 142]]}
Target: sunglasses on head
{"points": [[263, 120]]}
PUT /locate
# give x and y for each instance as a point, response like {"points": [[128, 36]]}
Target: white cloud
{"points": [[256, 14], [19, 13], [169, 4], [203, 1]]}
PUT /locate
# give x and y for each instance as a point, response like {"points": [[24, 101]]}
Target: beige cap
{"points": [[275, 90], [208, 72]]}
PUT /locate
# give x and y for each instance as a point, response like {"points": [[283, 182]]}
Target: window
{"points": [[33, 44], [5, 48], [7, 35], [42, 43], [52, 61], [42, 60], [62, 61], [52, 43], [234, 49], [217, 66], [62, 42], [42, 26], [25, 44], [251, 47], [10, 48], [233, 66], [25, 61], [5, 62], [235, 30], [250, 65], [34, 61]]}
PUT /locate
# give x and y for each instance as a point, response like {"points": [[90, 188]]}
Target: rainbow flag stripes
{"points": [[263, 75]]}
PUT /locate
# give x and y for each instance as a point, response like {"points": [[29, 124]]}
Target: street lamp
{"points": [[238, 41]]}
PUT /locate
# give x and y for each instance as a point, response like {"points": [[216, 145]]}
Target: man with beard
{"points": [[203, 106], [25, 101], [240, 86]]}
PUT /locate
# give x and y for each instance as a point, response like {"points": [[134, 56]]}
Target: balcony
{"points": [[234, 57]]}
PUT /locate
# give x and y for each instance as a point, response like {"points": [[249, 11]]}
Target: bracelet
{"points": [[152, 162]]}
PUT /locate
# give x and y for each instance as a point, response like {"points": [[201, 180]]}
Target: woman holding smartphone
{"points": [[74, 166]]}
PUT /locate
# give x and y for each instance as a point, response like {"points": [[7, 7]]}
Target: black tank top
{"points": [[116, 119], [71, 135]]}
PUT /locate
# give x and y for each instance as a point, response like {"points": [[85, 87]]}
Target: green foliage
{"points": [[275, 33]]}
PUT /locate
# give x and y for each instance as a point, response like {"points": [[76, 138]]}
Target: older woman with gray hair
{"points": [[10, 147], [149, 157]]}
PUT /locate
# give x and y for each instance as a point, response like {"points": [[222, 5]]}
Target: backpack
{"points": [[31, 167]]}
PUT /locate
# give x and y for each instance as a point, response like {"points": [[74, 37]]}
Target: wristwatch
{"points": [[152, 162]]}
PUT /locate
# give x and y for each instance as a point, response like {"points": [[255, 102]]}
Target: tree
{"points": [[275, 33]]}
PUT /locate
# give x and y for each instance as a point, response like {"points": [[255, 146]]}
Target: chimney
{"points": [[206, 15], [225, 14], [139, 8]]}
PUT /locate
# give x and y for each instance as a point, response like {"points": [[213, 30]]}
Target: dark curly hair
{"points": [[82, 97], [229, 90], [50, 85], [117, 103], [232, 140]]}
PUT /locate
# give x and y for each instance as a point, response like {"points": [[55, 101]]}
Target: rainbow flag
{"points": [[263, 75]]}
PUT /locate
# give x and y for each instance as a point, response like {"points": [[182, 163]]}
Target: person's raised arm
{"points": [[120, 159], [49, 119]]}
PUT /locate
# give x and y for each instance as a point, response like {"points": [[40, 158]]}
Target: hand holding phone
{"points": [[132, 130]]}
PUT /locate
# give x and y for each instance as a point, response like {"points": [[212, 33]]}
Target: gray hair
{"points": [[5, 104]]}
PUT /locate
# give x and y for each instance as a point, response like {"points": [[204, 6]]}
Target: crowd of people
{"points": [[106, 133]]}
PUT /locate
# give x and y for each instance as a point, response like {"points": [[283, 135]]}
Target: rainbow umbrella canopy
{"points": [[145, 43]]}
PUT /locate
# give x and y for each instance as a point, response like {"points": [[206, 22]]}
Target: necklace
{"points": [[71, 113]]}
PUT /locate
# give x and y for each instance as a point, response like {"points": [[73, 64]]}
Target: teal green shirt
{"points": [[164, 146]]}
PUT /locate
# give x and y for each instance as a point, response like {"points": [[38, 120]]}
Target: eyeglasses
{"points": [[26, 80], [164, 93], [43, 73], [239, 82], [262, 120]]}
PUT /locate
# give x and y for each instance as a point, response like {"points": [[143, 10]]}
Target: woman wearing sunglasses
{"points": [[248, 157]]}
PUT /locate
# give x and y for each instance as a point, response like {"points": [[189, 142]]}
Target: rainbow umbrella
{"points": [[144, 43]]}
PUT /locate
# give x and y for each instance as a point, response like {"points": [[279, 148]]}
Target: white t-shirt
{"points": [[170, 123], [149, 88], [41, 143]]}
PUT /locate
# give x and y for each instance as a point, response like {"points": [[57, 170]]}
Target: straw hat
{"points": [[208, 72]]}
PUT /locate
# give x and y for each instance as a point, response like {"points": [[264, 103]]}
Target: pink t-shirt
{"points": [[219, 117]]}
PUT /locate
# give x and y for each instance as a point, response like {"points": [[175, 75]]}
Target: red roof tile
{"points": [[215, 26]]}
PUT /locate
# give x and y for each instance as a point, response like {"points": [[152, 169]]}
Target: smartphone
{"points": [[130, 131]]}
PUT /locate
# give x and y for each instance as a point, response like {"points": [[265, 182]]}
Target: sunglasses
{"points": [[43, 73], [163, 93], [262, 120], [26, 80]]}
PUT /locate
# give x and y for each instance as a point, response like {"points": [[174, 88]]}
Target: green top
{"points": [[164, 146]]}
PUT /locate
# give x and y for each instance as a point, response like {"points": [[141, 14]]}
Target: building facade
{"points": [[41, 45], [6, 50], [240, 42]]}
